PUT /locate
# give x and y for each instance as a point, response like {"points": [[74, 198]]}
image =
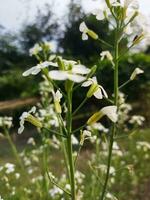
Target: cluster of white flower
{"points": [[6, 122], [137, 120]]}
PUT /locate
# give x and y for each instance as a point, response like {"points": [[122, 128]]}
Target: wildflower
{"points": [[74, 140], [84, 135], [109, 111], [35, 49], [57, 98], [136, 72], [99, 13], [95, 89], [137, 119], [86, 31], [73, 72], [55, 191], [6, 122], [9, 168], [99, 127], [26, 116], [36, 69], [31, 141], [106, 54]]}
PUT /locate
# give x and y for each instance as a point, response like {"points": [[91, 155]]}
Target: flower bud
{"points": [[92, 34], [95, 117], [57, 107], [94, 87], [33, 120], [60, 63]]}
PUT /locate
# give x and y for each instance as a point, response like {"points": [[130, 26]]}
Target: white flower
{"points": [[57, 98], [23, 117], [36, 69], [9, 168], [35, 49], [110, 112], [6, 122], [31, 141], [1, 198], [95, 89], [74, 140], [55, 191], [74, 74], [98, 126], [99, 13], [111, 196], [86, 133], [106, 54], [136, 72], [84, 29], [137, 119]]}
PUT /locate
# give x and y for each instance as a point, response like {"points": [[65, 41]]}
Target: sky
{"points": [[14, 12]]}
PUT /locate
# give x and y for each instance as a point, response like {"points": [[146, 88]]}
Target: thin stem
{"points": [[114, 125], [78, 129], [69, 144], [124, 84], [57, 185], [80, 106], [105, 43], [14, 150]]}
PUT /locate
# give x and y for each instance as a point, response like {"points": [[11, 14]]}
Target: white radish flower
{"points": [[57, 98], [84, 29], [35, 49], [36, 69], [74, 74], [25, 117], [87, 32], [106, 54], [95, 89], [109, 111], [136, 72]]}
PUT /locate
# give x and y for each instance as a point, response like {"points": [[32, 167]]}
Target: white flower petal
{"points": [[98, 94], [104, 92], [84, 36], [58, 75], [111, 112], [87, 83], [83, 28], [76, 78], [80, 69]]}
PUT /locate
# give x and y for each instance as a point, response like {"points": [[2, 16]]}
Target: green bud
{"points": [[92, 90], [95, 117], [33, 120], [60, 63], [92, 34], [57, 107]]}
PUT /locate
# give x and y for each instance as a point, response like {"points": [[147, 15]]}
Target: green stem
{"points": [[69, 145], [124, 84], [80, 106], [14, 150], [113, 132]]}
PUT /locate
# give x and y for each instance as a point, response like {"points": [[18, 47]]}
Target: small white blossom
{"points": [[55, 191], [35, 49], [31, 141], [137, 119], [96, 89], [136, 72], [74, 74], [9, 168], [36, 69], [23, 117], [110, 112], [106, 54], [84, 29], [74, 140]]}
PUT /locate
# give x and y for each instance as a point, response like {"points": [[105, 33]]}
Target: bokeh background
{"points": [[24, 23]]}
